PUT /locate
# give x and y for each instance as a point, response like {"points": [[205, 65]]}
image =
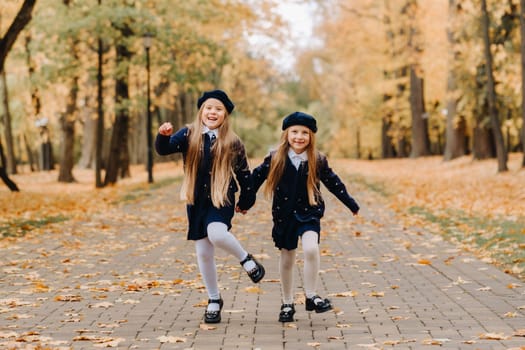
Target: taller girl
{"points": [[212, 153], [293, 174]]}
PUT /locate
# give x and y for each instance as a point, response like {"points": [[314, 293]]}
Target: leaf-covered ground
{"points": [[466, 201]]}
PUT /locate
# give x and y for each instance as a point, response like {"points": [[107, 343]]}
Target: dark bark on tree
{"points": [[387, 144], [456, 128], [118, 158], [6, 43], [483, 142], [35, 94], [403, 146], [99, 130], [522, 48], [87, 153], [420, 138], [23, 17], [8, 132], [31, 159], [3, 173], [491, 92], [67, 122]]}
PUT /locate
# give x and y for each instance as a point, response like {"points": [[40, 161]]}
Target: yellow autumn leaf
{"points": [[313, 344], [492, 336], [207, 327], [424, 262], [171, 339], [68, 298], [253, 289]]}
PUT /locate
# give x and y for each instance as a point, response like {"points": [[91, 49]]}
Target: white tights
{"points": [[310, 244], [218, 236]]}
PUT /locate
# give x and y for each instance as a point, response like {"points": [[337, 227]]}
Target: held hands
{"points": [[166, 129], [239, 210]]}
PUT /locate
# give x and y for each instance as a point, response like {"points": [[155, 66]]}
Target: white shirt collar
{"points": [[297, 158], [206, 130]]}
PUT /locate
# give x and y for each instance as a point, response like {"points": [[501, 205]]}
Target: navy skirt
{"points": [[286, 235], [199, 217]]}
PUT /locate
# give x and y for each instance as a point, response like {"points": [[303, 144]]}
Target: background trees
{"points": [[385, 78]]}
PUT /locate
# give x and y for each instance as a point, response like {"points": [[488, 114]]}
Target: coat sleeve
{"points": [[175, 143], [244, 178], [334, 184], [260, 173]]}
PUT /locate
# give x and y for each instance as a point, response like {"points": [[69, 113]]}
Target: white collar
{"points": [[302, 156], [206, 130], [297, 159]]}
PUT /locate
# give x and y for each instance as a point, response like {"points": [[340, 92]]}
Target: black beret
{"points": [[219, 95], [300, 118]]}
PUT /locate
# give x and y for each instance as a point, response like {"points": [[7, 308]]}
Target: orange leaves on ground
{"points": [[349, 293], [462, 184], [171, 339], [68, 297], [424, 262], [254, 289], [493, 336]]}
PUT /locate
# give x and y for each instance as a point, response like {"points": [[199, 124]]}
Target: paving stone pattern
{"points": [[127, 279]]}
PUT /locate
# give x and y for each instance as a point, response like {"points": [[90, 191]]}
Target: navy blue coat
{"points": [[202, 212], [290, 206]]}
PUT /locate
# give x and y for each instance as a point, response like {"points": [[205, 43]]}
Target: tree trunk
{"points": [[491, 92], [3, 173], [483, 141], [6, 43], [387, 144], [30, 156], [420, 139], [99, 136], [23, 17], [522, 46], [35, 94], [68, 121], [11, 160], [87, 153], [118, 158], [455, 134]]}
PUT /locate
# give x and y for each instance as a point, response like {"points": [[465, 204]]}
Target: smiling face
{"points": [[298, 138], [213, 113]]}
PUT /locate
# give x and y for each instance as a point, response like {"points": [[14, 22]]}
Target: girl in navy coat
{"points": [[212, 153], [293, 174]]}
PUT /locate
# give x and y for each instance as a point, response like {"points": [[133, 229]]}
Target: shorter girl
{"points": [[212, 154], [293, 174]]}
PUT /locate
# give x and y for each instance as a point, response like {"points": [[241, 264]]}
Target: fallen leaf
{"points": [[171, 339], [493, 336], [206, 327]]}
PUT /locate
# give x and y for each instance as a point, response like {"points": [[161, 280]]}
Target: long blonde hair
{"points": [[279, 160], [223, 151]]}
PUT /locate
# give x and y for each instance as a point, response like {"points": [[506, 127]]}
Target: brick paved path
{"points": [[128, 279]]}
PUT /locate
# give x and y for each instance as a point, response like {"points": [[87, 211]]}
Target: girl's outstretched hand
{"points": [[239, 210], [166, 129]]}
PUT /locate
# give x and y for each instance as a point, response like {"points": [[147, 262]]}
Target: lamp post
{"points": [[147, 40]]}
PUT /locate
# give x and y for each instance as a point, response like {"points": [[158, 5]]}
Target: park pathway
{"points": [[128, 279]]}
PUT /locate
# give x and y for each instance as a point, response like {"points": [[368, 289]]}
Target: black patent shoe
{"points": [[287, 312], [257, 273], [318, 304], [213, 316]]}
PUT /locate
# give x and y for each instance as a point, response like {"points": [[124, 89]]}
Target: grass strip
{"points": [[500, 239], [19, 227]]}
